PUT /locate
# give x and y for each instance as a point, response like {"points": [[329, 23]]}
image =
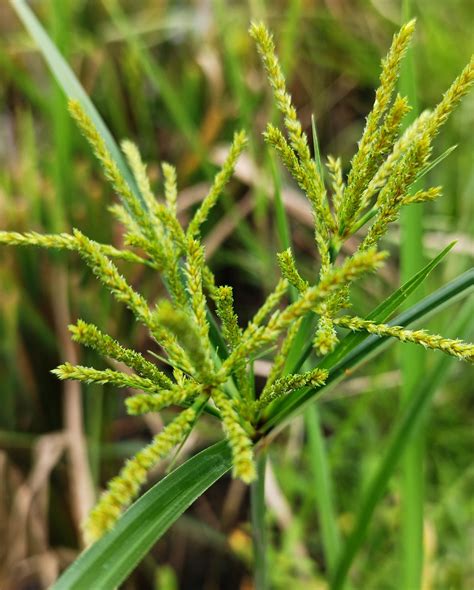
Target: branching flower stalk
{"points": [[197, 372], [378, 184]]}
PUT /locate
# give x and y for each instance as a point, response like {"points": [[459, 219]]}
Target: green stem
{"points": [[364, 219], [412, 365], [257, 510]]}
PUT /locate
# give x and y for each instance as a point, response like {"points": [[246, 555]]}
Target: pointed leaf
{"points": [[383, 311], [108, 562], [71, 85], [371, 345]]}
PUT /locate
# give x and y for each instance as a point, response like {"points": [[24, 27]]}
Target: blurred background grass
{"points": [[178, 78]]}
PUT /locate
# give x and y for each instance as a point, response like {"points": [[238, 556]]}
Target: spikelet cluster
{"points": [[199, 371], [288, 269], [290, 383], [381, 174], [65, 242], [89, 335], [462, 350], [241, 445], [380, 131]]}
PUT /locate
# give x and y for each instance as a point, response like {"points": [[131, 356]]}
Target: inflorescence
{"points": [[200, 375]]}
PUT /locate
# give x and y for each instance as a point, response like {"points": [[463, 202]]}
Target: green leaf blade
{"points": [[383, 311], [109, 561], [371, 345], [71, 86], [379, 314]]}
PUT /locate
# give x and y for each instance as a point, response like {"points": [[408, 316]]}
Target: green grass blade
{"points": [[435, 162], [71, 85], [290, 34], [323, 488], [157, 78], [10, 72], [259, 533], [60, 21], [317, 153], [371, 345], [402, 435], [303, 342], [385, 309], [107, 563], [232, 62], [380, 314]]}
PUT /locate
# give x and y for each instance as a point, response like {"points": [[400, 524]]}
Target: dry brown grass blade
{"points": [[4, 510], [233, 503], [277, 502], [38, 571], [27, 529], [80, 480], [222, 230]]}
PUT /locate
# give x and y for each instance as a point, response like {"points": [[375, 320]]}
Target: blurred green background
{"points": [[178, 78]]}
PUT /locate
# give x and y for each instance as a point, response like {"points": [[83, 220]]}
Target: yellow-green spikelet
{"points": [[123, 488], [458, 348], [240, 444]]}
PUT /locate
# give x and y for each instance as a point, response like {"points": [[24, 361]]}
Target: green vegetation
{"points": [[197, 346]]}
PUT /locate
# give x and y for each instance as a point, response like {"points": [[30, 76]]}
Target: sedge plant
{"points": [[207, 353]]}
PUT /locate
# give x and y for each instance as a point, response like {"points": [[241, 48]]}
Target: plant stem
{"points": [[257, 510], [412, 363]]}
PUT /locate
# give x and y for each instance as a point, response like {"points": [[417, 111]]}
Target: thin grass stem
{"points": [[259, 533], [412, 360]]}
